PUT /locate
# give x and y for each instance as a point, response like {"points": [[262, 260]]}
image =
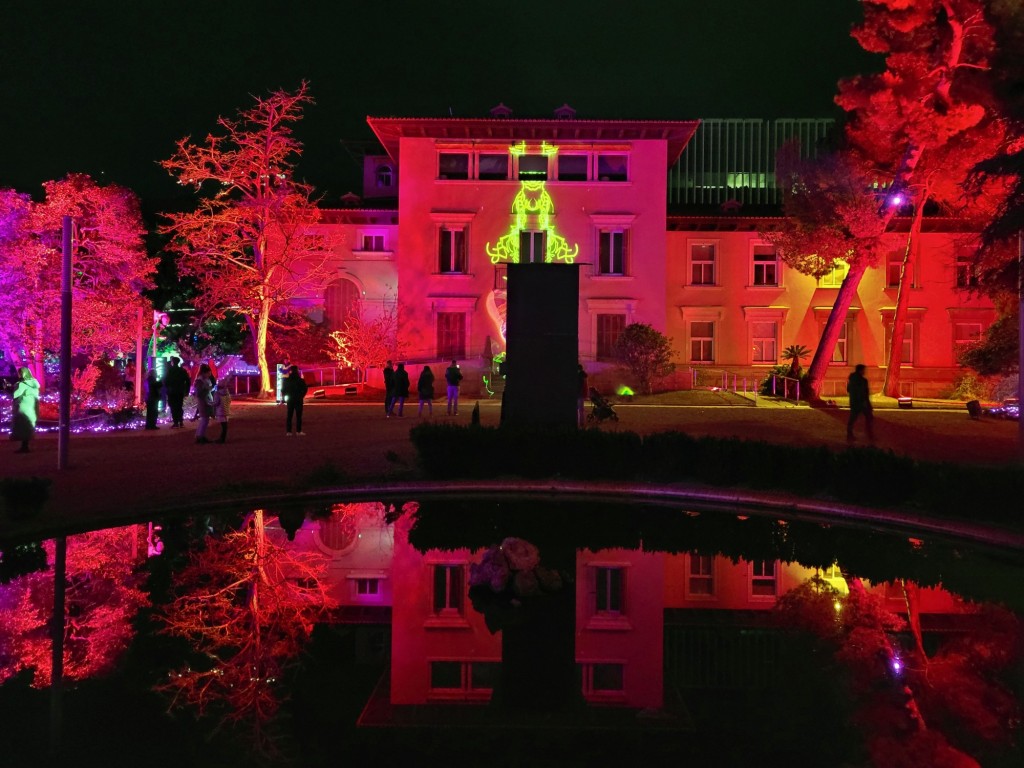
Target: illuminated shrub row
{"points": [[867, 476]]}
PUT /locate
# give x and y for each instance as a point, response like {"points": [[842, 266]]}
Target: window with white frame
{"points": [[609, 329], [702, 263], [372, 241], [840, 353], [366, 587], [834, 277], [907, 353], [532, 247], [384, 177], [700, 577], [766, 265], [612, 167], [451, 335], [492, 166], [573, 167], [966, 272], [533, 167], [602, 679], [448, 589], [451, 249], [702, 341], [611, 251], [764, 341], [893, 269], [763, 578], [965, 335], [463, 679], [452, 165], [609, 590]]}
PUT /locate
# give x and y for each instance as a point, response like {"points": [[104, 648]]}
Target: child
{"points": [[222, 407]]}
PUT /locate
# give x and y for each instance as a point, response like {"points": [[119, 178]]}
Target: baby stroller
{"points": [[602, 409]]}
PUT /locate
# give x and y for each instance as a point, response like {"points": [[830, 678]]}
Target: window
{"points": [[609, 328], [451, 250], [373, 242], [763, 579], [835, 277], [572, 167], [964, 335], [367, 587], [700, 581], [840, 354], [702, 341], [451, 335], [531, 247], [493, 167], [766, 265], [533, 167], [602, 679], [384, 177], [893, 269], [453, 165], [908, 343], [463, 679], [764, 341], [612, 167], [341, 302], [447, 589], [611, 250], [702, 264], [609, 590], [966, 274]]}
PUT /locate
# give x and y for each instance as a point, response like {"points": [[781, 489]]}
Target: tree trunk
{"points": [[911, 596], [262, 324], [899, 319], [826, 346]]}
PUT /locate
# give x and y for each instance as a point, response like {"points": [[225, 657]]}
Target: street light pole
{"points": [[64, 424], [1020, 342]]}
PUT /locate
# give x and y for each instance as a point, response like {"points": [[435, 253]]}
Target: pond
{"points": [[507, 630]]}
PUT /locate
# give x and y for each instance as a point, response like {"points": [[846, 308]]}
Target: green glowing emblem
{"points": [[533, 209]]}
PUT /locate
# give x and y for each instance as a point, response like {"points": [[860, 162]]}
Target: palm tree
{"points": [[795, 353]]}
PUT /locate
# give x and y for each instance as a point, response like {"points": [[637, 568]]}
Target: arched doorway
{"points": [[341, 301]]}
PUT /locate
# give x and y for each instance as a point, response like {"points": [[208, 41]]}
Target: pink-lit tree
{"points": [[103, 595], [363, 343], [110, 269], [252, 242], [247, 606]]}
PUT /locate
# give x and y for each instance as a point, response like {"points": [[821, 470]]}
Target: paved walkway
{"points": [[130, 475]]}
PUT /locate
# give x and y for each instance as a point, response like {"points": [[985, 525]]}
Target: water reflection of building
{"points": [[644, 620]]}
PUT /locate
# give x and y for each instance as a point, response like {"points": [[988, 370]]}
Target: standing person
{"points": [[26, 409], [202, 388], [860, 402], [401, 387], [176, 385], [294, 392], [154, 390], [582, 391], [452, 376], [222, 406], [425, 389], [389, 389]]}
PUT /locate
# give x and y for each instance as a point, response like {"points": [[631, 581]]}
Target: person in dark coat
{"points": [[154, 392], [294, 392], [401, 387], [425, 389], [860, 402], [176, 384], [582, 392], [452, 376], [202, 388], [389, 389]]}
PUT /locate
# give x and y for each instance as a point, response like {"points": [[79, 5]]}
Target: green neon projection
{"points": [[533, 209]]}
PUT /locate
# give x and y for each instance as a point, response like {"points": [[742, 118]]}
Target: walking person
{"points": [[582, 391], [860, 402], [176, 386], [452, 376], [401, 387], [222, 406], [425, 389], [202, 388], [26, 409], [154, 392], [294, 392], [389, 389]]}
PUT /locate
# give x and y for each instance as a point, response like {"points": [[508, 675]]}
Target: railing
{"points": [[785, 387], [724, 380]]}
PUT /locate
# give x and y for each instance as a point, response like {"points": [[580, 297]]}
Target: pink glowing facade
{"points": [[454, 200]]}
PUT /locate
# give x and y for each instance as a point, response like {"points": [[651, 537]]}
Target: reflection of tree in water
{"points": [[247, 606], [102, 597], [914, 706]]}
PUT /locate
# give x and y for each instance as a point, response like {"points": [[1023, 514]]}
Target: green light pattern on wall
{"points": [[533, 210]]}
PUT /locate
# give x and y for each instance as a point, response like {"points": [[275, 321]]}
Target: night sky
{"points": [[106, 87]]}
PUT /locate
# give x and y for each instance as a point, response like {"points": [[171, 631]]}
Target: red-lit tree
{"points": [[252, 242], [922, 123], [110, 268], [364, 342], [247, 607], [103, 595]]}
